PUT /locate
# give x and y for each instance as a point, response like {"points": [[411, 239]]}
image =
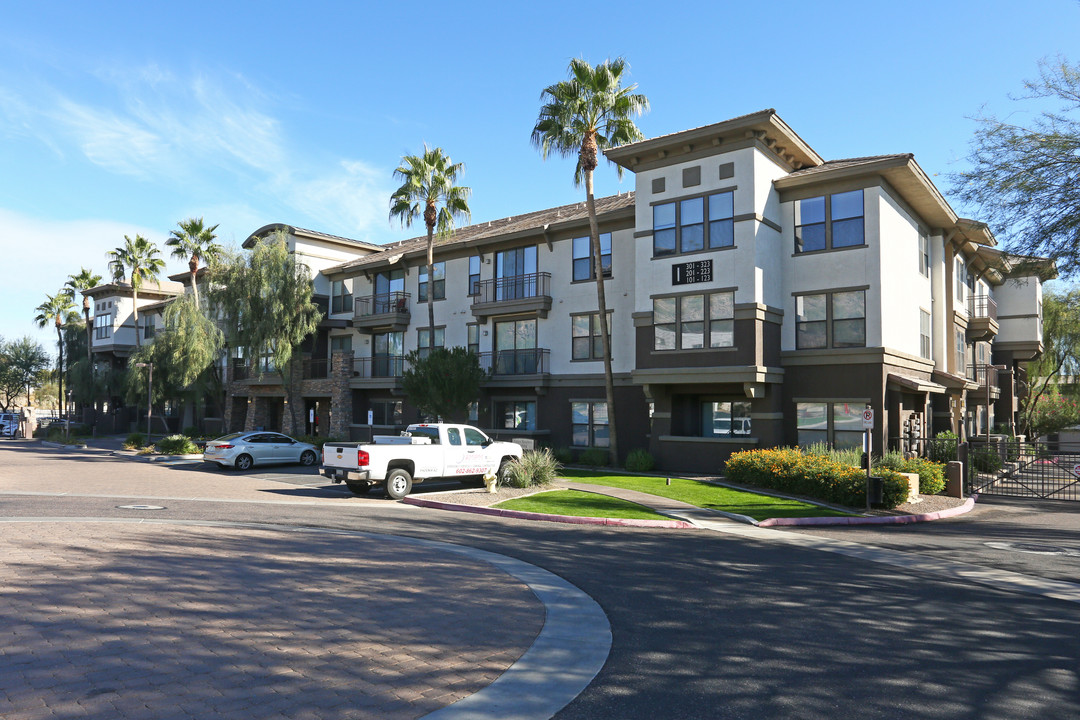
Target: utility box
{"points": [[876, 490], [954, 479]]}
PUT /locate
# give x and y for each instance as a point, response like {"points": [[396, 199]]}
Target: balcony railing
{"points": [[316, 369], [380, 366], [982, 306], [240, 370], [517, 287], [384, 304], [532, 361]]}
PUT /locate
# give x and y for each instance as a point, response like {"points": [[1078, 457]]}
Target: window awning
{"points": [[916, 384]]}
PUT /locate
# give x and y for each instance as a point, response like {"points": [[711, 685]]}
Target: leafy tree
{"points": [[1025, 179], [85, 280], [57, 309], [582, 116], [444, 382], [25, 364], [139, 258], [428, 190], [263, 301], [194, 242], [1061, 355], [1055, 412]]}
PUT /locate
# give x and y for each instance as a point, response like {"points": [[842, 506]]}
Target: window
{"points": [[386, 352], [148, 327], [340, 297], [589, 424], [341, 343], [681, 227], [924, 335], [475, 437], [837, 423], [439, 271], [423, 337], [515, 273], [515, 348], [829, 222], [583, 266], [473, 330], [961, 278], [474, 412], [453, 436], [826, 320], [385, 412], [961, 353], [689, 322], [924, 255], [725, 419], [586, 341], [474, 275], [389, 295], [102, 326], [515, 415]]}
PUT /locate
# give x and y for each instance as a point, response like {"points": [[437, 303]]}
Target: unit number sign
{"points": [[691, 272]]}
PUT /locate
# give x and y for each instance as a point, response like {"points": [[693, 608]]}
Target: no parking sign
{"points": [[868, 419]]}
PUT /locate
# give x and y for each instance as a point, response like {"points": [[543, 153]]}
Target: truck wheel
{"points": [[504, 473], [398, 483], [244, 462], [358, 488]]}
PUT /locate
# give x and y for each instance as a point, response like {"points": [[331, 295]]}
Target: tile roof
{"points": [[830, 165], [536, 220]]}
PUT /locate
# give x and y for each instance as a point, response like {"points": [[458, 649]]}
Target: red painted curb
{"points": [[572, 519], [968, 505]]}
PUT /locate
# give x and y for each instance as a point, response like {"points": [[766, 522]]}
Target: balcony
{"points": [[988, 377], [380, 366], [512, 295], [388, 311], [315, 369], [531, 361], [982, 318]]}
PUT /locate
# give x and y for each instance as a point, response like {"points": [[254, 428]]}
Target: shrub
{"points": [[986, 459], [564, 455], [931, 474], [192, 431], [942, 449], [594, 457], [640, 460], [535, 467], [177, 445], [789, 470], [846, 456], [135, 440], [316, 441]]}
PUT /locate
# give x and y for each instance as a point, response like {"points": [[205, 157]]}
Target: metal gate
{"points": [[1046, 470]]}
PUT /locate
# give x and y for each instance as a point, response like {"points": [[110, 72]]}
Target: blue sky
{"points": [[126, 117]]}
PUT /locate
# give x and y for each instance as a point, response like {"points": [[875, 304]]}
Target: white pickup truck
{"points": [[422, 452]]}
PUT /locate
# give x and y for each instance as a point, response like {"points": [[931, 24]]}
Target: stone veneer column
{"points": [[341, 409]]}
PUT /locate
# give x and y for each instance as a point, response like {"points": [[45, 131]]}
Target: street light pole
{"points": [[149, 397]]}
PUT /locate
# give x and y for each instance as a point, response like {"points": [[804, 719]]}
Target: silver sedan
{"points": [[244, 449]]}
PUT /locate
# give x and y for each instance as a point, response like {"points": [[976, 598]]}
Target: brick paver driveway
{"points": [[161, 620]]}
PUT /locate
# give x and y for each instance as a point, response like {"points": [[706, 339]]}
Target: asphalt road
{"points": [[704, 625]]}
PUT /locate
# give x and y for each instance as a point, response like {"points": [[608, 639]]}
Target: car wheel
{"points": [[398, 483], [358, 488], [244, 462], [308, 458]]}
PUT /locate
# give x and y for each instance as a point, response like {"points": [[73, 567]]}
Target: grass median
{"points": [[705, 495], [580, 504]]}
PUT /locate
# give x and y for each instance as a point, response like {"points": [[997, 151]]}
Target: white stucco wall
{"points": [[1019, 302]]}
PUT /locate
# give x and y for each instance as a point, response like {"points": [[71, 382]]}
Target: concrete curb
{"points": [[571, 519], [968, 506]]}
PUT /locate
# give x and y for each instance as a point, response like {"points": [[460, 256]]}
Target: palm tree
{"points": [[428, 190], [140, 258], [197, 242], [582, 116], [57, 309], [85, 280]]}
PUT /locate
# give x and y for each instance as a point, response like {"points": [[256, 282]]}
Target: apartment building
{"points": [[759, 295]]}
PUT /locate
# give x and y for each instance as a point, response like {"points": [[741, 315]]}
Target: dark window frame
{"points": [[439, 289], [340, 302], [591, 425], [717, 229], [579, 263], [829, 322], [679, 328], [828, 223]]}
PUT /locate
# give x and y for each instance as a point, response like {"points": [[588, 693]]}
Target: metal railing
{"points": [[316, 369], [379, 366], [982, 306], [531, 361], [1046, 470], [240, 370], [385, 303], [516, 287]]}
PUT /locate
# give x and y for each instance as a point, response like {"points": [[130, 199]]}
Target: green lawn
{"points": [[580, 504], [714, 497]]}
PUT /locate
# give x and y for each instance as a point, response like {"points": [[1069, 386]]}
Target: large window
{"points": [[836, 320], [515, 272], [474, 275], [341, 343], [386, 351], [423, 339], [341, 299], [924, 335], [385, 412], [589, 424], [689, 322], [439, 286], [725, 419], [694, 224], [515, 348], [103, 325], [586, 340], [837, 423], [516, 414], [829, 222], [583, 264]]}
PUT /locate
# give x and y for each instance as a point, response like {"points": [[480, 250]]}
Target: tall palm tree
{"points": [[428, 190], [139, 257], [57, 309], [194, 242], [582, 116], [85, 280]]}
